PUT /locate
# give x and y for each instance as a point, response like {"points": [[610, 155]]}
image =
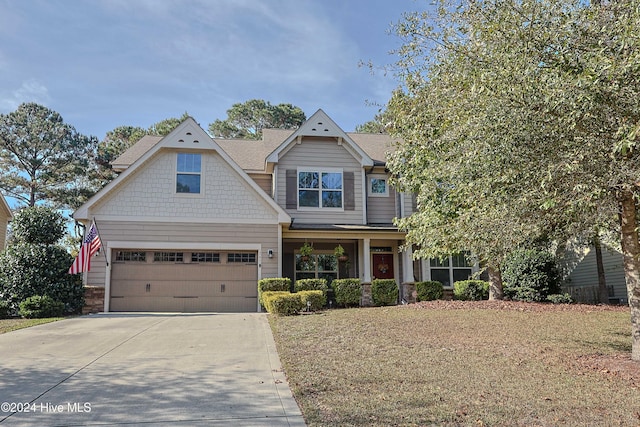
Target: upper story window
{"points": [[320, 189], [188, 173], [378, 186]]}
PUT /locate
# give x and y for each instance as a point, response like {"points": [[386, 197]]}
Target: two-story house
{"points": [[192, 223]]}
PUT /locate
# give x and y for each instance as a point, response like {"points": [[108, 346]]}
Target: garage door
{"points": [[185, 281]]}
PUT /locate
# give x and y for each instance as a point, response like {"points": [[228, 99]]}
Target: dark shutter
{"points": [[292, 189], [349, 193]]}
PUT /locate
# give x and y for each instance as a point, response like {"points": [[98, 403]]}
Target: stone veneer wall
{"points": [[93, 299]]}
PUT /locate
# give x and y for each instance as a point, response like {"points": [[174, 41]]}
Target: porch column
{"points": [[408, 287], [366, 262]]}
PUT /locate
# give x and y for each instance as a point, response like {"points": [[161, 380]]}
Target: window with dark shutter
{"points": [[292, 189], [349, 192]]}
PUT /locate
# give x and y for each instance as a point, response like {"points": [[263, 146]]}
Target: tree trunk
{"points": [[631, 260], [602, 281], [495, 283]]}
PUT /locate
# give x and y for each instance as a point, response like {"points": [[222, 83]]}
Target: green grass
{"points": [[480, 367], [8, 325]]}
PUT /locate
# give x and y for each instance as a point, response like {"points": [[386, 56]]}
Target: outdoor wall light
{"points": [[270, 253]]}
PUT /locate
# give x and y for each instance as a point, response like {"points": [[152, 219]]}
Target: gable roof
{"points": [[5, 207], [320, 125], [187, 135], [251, 155]]}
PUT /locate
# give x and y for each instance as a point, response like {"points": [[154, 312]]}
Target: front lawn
{"points": [[8, 325], [453, 363]]}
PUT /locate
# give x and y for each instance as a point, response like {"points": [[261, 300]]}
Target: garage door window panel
{"points": [[205, 257], [168, 257], [247, 258], [131, 256]]}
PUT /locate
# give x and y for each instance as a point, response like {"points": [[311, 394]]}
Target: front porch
{"points": [[371, 253]]}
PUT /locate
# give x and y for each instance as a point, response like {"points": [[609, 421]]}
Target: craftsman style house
{"points": [[192, 223]]}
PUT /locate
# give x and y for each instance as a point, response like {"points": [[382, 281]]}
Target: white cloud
{"points": [[30, 91]]}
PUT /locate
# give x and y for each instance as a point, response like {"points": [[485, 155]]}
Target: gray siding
{"points": [[263, 180], [167, 233], [584, 272], [381, 210], [321, 154]]}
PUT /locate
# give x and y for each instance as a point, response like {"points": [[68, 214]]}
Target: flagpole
{"points": [[101, 242]]}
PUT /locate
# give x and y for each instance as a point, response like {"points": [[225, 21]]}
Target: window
{"points": [[241, 257], [451, 269], [168, 257], [318, 266], [188, 173], [320, 189], [133, 256], [378, 186], [205, 257]]}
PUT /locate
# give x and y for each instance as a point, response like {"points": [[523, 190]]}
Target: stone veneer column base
{"points": [[409, 292], [366, 300], [93, 299]]}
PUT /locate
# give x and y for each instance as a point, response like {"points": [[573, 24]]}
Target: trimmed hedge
{"points": [[272, 284], [311, 285], [429, 290], [282, 303], [40, 306], [316, 298], [384, 292], [347, 292], [560, 298], [471, 290]]}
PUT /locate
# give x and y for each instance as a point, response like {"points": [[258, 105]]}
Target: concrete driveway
{"points": [[145, 369]]}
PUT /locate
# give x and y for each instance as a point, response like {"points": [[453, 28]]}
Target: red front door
{"points": [[382, 266]]}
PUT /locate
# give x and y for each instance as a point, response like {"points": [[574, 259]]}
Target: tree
{"points": [[42, 158], [377, 125], [521, 118], [34, 264], [120, 139], [246, 120]]}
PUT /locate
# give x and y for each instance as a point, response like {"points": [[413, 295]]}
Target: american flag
{"points": [[90, 246]]}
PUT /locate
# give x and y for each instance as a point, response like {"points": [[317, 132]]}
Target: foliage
{"points": [[283, 303], [306, 249], [41, 306], [30, 269], [560, 298], [42, 158], [5, 309], [471, 290], [316, 299], [310, 285], [347, 292], [38, 225], [530, 275], [384, 291], [270, 284], [338, 251], [429, 290], [377, 125], [246, 120]]}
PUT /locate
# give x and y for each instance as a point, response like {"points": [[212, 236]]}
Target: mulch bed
{"points": [[513, 306]]}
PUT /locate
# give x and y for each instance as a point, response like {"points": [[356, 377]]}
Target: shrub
{"points": [[384, 292], [316, 299], [38, 225], [560, 298], [40, 306], [530, 275], [429, 291], [30, 269], [282, 303], [347, 292], [273, 284], [311, 285], [471, 290], [5, 310]]}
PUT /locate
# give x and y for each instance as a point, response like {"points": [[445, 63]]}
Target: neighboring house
{"points": [[192, 223], [582, 275], [5, 217]]}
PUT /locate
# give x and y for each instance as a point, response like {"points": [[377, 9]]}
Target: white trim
{"points": [[181, 219], [5, 206], [365, 205]]}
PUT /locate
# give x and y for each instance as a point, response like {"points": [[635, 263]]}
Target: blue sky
{"points": [[107, 63]]}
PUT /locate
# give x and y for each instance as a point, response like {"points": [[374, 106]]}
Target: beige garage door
{"points": [[184, 281]]}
